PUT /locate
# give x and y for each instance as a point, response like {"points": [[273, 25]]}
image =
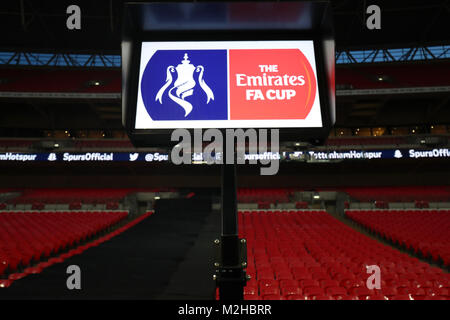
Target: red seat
{"points": [[336, 291], [265, 275], [377, 297], [269, 290], [5, 283], [284, 276], [321, 297], [16, 276], [268, 283], [273, 297], [361, 292], [302, 276], [402, 297], [296, 297], [309, 283], [313, 291], [320, 276], [435, 298], [250, 290], [418, 293], [288, 283], [389, 292], [443, 292], [328, 283], [33, 270], [287, 291], [251, 296]]}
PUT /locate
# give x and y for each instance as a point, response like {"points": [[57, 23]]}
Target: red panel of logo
{"points": [[270, 84]]}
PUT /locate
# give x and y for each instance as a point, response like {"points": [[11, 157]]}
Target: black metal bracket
{"points": [[230, 277]]}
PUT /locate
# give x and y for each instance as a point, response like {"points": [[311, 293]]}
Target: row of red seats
{"points": [[71, 195], [400, 194], [31, 236], [417, 75], [311, 255], [80, 144], [364, 141], [61, 80], [363, 77], [264, 195], [83, 144], [16, 143], [112, 205], [381, 204], [424, 231], [5, 283]]}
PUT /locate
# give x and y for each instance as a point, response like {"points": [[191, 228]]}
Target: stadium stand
{"points": [[29, 80], [362, 141], [400, 194], [68, 199], [70, 195], [264, 195], [424, 231], [29, 237], [60, 81], [103, 144], [396, 76], [309, 255], [70, 252]]}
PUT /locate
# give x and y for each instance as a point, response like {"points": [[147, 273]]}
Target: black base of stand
{"points": [[231, 277]]}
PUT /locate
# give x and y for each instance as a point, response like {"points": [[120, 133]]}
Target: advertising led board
{"points": [[228, 84], [328, 154]]}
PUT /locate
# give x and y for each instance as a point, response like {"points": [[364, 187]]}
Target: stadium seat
{"points": [[313, 291], [287, 291], [31, 237], [332, 253], [5, 283], [250, 290], [288, 283], [402, 297], [253, 296], [273, 297], [296, 297], [336, 291]]}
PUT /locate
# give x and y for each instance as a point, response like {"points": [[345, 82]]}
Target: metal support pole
{"points": [[231, 277]]}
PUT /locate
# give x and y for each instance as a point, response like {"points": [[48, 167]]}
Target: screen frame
{"points": [[161, 137]]}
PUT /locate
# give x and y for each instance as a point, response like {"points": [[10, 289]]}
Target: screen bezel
{"points": [[161, 137]]}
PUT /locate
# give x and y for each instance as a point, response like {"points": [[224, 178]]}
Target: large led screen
{"points": [[228, 84]]}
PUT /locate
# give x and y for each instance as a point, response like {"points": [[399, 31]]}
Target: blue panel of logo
{"points": [[186, 85]]}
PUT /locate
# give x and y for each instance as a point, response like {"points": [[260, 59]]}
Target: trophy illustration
{"points": [[184, 85]]}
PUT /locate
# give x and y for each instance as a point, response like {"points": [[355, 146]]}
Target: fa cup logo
{"points": [[184, 85]]}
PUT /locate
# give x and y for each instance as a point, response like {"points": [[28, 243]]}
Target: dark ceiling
{"points": [[41, 24]]}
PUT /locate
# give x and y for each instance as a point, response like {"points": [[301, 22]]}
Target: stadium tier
{"points": [[30, 237], [61, 81], [225, 150], [311, 255], [264, 195], [400, 194], [394, 76], [423, 231], [109, 81], [361, 141], [71, 195]]}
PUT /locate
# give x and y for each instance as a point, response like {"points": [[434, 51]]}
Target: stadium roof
{"points": [[41, 25], [392, 76]]}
